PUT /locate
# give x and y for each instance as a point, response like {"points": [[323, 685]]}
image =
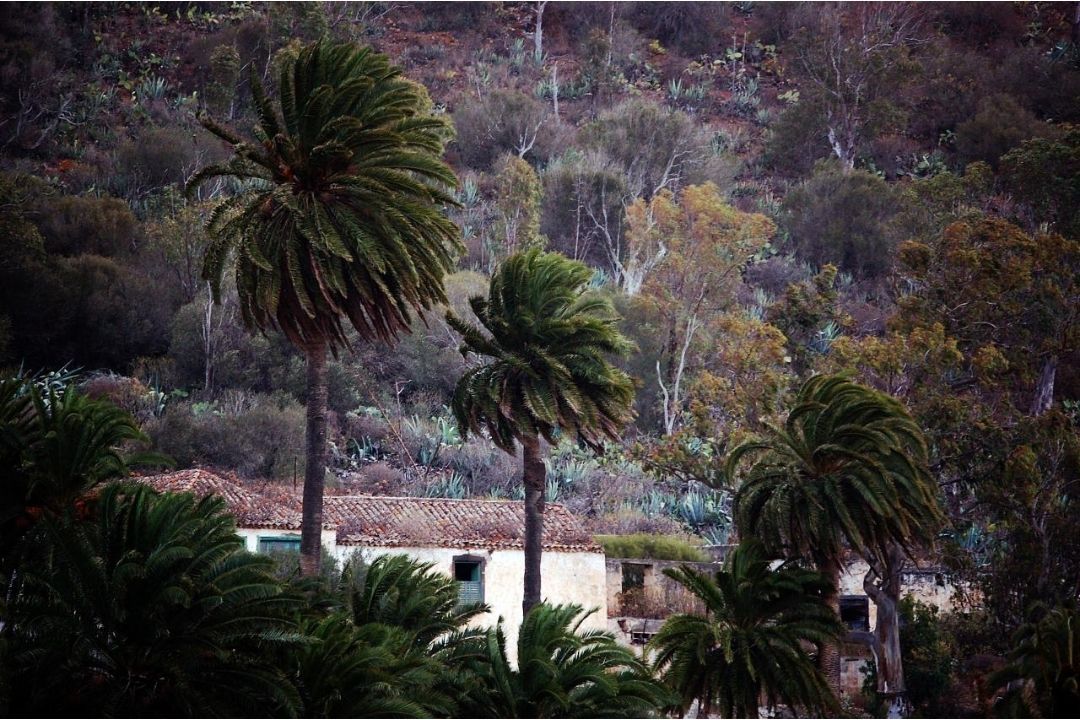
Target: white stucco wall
{"points": [[567, 577], [251, 537]]}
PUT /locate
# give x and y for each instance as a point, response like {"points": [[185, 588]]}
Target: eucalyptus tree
{"points": [[339, 220]]}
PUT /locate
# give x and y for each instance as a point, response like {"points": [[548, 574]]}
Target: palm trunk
{"points": [[882, 585], [829, 653], [315, 469], [533, 478]]}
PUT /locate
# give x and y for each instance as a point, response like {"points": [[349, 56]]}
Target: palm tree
{"points": [[338, 220], [1042, 677], [848, 468], [149, 607], [547, 343], [55, 447], [344, 670], [561, 671], [398, 591], [750, 640]]}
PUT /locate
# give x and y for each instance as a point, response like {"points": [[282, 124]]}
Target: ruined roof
{"points": [[438, 522], [252, 509], [384, 521]]}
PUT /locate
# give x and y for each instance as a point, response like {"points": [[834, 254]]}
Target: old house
{"points": [[477, 542], [640, 597]]}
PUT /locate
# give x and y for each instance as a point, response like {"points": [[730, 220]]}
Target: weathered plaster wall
{"points": [[576, 577], [251, 537], [929, 586]]}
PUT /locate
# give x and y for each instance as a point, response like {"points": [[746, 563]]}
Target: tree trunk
{"points": [[533, 477], [1044, 392], [315, 470], [882, 585], [829, 653], [538, 32]]}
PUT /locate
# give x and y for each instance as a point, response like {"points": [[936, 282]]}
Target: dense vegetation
{"points": [[764, 193]]}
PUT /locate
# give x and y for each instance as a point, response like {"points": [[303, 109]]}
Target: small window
{"points": [[641, 637], [855, 612], [633, 576], [285, 543], [469, 574]]}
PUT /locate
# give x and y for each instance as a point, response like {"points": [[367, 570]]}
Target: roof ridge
{"points": [[414, 498]]}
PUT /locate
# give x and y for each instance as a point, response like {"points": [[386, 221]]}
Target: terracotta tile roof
{"points": [[252, 509], [384, 521], [437, 522]]}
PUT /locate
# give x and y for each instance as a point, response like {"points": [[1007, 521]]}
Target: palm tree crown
{"points": [[848, 464], [548, 340], [1042, 677], [562, 671], [150, 608], [749, 641], [339, 214]]}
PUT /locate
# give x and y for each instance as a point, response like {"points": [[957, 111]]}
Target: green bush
{"points": [[255, 435], [73, 225], [653, 547], [1000, 125], [843, 218]]}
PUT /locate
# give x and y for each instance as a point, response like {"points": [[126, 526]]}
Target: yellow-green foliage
{"points": [[654, 547]]}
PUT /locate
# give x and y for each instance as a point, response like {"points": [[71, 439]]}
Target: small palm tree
{"points": [[749, 643], [55, 446], [150, 607], [546, 371], [561, 671], [1042, 677], [398, 591], [339, 220], [847, 469], [344, 670]]}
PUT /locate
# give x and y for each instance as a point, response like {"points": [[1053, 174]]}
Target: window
{"points": [[282, 543], [855, 612], [469, 574], [633, 576], [640, 637]]}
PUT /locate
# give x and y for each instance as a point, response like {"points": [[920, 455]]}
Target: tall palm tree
{"points": [[561, 671], [546, 371], [847, 469], [749, 642], [1042, 677], [339, 220], [149, 607]]}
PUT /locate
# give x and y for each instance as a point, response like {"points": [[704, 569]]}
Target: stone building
{"points": [[479, 543], [640, 597]]}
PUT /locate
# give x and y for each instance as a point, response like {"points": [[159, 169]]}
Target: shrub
{"points": [[843, 218], [691, 28], [658, 147], [73, 225], [505, 121], [1000, 125], [154, 158], [654, 547], [258, 436]]}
